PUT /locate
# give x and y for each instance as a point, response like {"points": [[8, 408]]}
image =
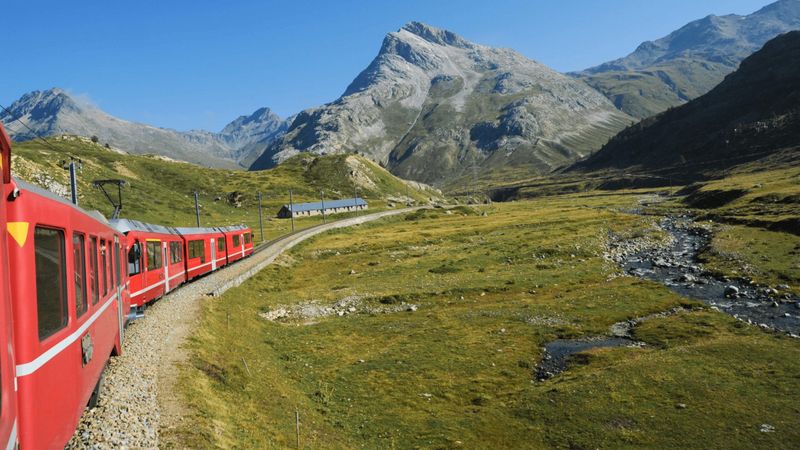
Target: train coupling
{"points": [[137, 312]]}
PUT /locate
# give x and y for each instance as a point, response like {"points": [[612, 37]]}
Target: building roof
{"points": [[329, 204]]}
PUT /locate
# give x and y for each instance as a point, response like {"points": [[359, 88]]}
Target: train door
{"points": [[154, 276], [8, 398], [166, 266], [213, 255], [120, 303]]}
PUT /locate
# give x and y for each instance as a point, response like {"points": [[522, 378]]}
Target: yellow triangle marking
{"points": [[19, 231]]}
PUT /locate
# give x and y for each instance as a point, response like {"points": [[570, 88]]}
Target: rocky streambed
{"points": [[673, 262], [676, 266]]}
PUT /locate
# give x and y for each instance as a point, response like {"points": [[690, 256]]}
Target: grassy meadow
{"points": [[491, 286], [161, 191]]}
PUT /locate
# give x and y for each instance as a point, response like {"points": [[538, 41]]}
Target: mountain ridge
{"points": [[54, 112], [432, 104], [689, 61], [753, 113]]}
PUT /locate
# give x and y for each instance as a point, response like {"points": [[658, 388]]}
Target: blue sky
{"points": [[200, 64]]}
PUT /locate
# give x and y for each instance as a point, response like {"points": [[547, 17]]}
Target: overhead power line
{"points": [[35, 135]]}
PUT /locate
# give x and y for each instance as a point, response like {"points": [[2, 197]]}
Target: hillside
{"points": [[161, 190], [433, 106], [689, 61], [55, 112], [755, 112]]}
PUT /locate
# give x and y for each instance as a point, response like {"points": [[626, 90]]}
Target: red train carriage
{"points": [[201, 250], [68, 299], [238, 242], [8, 397], [155, 260]]}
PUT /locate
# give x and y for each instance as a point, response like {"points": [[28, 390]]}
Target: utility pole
{"points": [[355, 198], [260, 220], [322, 196], [73, 167], [197, 209], [291, 209]]}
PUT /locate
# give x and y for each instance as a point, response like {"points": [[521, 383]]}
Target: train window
{"points": [[235, 240], [221, 245], [197, 249], [248, 238], [175, 252], [135, 259], [79, 273], [153, 255], [93, 278], [51, 281], [110, 267], [104, 263], [116, 260]]}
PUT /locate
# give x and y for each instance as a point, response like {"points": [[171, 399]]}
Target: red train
{"points": [[69, 282]]}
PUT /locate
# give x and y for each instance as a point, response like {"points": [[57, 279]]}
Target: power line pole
{"points": [[260, 220], [322, 196], [355, 198], [197, 209], [291, 209], [73, 168]]}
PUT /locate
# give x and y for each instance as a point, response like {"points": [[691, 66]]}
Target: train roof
{"points": [[126, 225], [25, 186], [232, 228], [186, 231]]}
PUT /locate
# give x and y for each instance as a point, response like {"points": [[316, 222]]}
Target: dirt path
{"points": [[139, 397]]}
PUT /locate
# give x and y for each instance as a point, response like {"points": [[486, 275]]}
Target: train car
{"points": [[238, 242], [8, 396], [68, 301], [201, 250], [155, 260]]}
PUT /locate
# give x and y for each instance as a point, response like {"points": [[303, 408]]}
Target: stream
{"points": [[676, 266]]}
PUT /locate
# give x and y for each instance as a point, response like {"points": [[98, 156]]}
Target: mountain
{"points": [[689, 61], [249, 135], [55, 112], [432, 106], [753, 113]]}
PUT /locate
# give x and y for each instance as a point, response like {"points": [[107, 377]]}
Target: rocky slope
{"points": [[753, 113], [432, 106], [689, 61], [54, 112]]}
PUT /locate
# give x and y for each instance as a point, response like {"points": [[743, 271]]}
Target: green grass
{"points": [[161, 191], [458, 372]]}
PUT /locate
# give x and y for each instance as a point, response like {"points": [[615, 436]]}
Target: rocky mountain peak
{"points": [[54, 112], [435, 35], [432, 104], [42, 104], [259, 116]]}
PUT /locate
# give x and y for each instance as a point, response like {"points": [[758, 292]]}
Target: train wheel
{"points": [[98, 389]]}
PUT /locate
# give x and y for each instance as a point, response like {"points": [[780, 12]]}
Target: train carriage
{"points": [[8, 398], [201, 250], [155, 260], [238, 242], [68, 299]]}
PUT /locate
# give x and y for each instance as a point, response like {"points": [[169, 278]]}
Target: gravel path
{"points": [[138, 392]]}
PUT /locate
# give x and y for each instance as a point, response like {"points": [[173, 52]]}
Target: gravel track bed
{"points": [[138, 395]]}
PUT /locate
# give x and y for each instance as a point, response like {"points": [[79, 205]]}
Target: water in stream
{"points": [[677, 267]]}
